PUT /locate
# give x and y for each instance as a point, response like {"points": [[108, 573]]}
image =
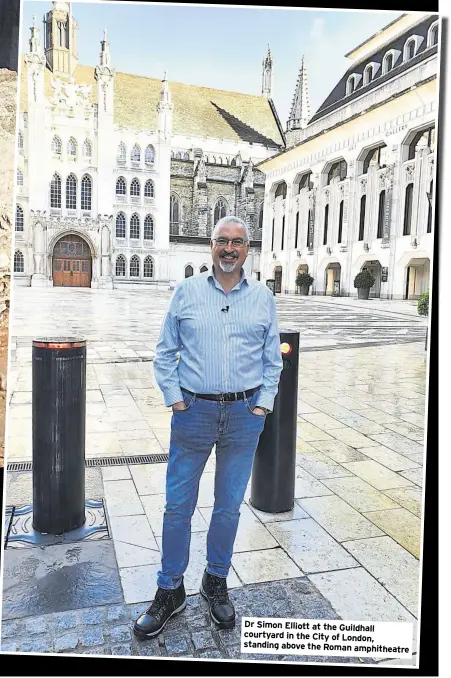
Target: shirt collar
{"points": [[211, 275]]}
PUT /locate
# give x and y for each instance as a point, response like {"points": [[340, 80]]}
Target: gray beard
{"points": [[226, 266]]}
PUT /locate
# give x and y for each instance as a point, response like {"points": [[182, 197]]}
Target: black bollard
{"points": [[58, 414], [273, 473]]}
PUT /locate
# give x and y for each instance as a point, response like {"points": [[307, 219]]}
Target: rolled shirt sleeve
{"points": [[165, 363], [272, 360]]}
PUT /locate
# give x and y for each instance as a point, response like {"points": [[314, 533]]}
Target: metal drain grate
{"points": [[101, 461]]}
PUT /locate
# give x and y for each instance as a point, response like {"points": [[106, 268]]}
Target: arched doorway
{"points": [[302, 268], [333, 275], [72, 262], [417, 277], [278, 279], [375, 268]]}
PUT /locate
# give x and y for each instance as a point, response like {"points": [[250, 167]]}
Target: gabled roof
{"points": [[198, 111], [338, 98]]}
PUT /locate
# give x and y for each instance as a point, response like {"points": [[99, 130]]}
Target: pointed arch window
{"points": [[72, 148], [174, 215], [134, 227], [18, 262], [186, 156], [338, 170], [121, 156], [135, 188], [149, 155], [203, 269], [57, 147], [134, 266], [121, 186], [20, 140], [220, 210], [55, 192], [71, 192], [19, 177], [189, 271], [381, 215], [120, 266], [148, 228], [233, 162], [362, 217], [408, 210], [19, 218], [120, 226], [86, 193], [148, 267], [87, 149], [136, 153], [149, 191]]}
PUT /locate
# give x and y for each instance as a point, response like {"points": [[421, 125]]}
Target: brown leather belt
{"points": [[224, 397]]}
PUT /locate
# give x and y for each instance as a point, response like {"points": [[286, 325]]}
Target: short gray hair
{"points": [[234, 220]]}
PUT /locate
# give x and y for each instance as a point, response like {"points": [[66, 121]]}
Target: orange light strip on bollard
{"points": [[285, 348], [73, 344]]}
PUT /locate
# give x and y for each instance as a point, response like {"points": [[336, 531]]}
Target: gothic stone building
{"points": [[354, 188], [121, 178]]}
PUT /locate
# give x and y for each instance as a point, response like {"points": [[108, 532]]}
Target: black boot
{"points": [[214, 590], [167, 602]]}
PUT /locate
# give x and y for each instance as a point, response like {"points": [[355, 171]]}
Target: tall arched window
{"points": [[220, 211], [433, 35], [272, 235], [87, 149], [387, 63], [430, 194], [20, 140], [148, 267], [174, 215], [409, 49], [136, 153], [326, 224], [350, 85], [189, 271], [408, 210], [121, 156], [149, 189], [135, 188], [381, 215], [71, 192], [55, 191], [368, 74], [120, 266], [120, 226], [260, 218], [121, 187], [148, 228], [149, 155], [134, 266], [362, 217], [19, 177], [283, 233], [57, 147], [18, 262], [340, 221], [296, 232], [86, 193], [19, 218], [134, 227], [72, 147]]}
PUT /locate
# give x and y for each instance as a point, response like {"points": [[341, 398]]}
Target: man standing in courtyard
{"points": [[223, 325]]}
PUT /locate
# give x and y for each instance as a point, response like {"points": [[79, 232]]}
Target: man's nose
{"points": [[229, 247]]}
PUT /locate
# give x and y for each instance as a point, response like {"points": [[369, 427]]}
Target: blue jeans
{"points": [[235, 430]]}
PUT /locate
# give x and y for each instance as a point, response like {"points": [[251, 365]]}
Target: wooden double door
{"points": [[72, 264]]}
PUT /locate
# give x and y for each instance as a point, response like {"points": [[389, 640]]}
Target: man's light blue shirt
{"points": [[220, 351]]}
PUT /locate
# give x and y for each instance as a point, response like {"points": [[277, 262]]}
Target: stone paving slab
{"points": [[107, 630]]}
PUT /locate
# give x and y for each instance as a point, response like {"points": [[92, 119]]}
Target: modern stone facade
{"points": [[355, 187]]}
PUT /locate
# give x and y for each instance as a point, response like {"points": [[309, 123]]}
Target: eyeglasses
{"points": [[236, 242]]}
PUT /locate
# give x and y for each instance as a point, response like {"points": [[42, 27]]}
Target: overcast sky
{"points": [[221, 47]]}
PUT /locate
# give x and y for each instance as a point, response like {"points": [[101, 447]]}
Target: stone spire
{"points": [[35, 40], [300, 107], [164, 109], [267, 75], [105, 56]]}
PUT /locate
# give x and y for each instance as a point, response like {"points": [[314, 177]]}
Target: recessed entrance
{"points": [[417, 277], [72, 262], [375, 268], [333, 275]]}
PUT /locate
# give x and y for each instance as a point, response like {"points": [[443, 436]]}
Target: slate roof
{"points": [[338, 98], [199, 111]]}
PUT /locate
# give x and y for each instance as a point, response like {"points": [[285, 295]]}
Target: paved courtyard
{"points": [[350, 547]]}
